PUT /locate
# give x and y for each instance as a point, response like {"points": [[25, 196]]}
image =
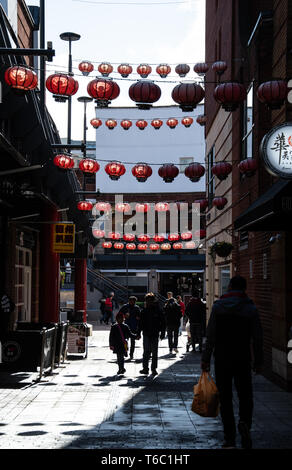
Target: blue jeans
{"points": [[150, 345]]}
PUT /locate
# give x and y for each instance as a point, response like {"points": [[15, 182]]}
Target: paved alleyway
{"points": [[86, 405]]}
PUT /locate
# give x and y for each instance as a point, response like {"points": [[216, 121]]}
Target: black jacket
{"points": [[134, 315], [152, 321], [233, 325], [115, 338], [196, 311], [172, 312]]}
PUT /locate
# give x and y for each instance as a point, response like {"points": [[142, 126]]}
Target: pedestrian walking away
{"points": [[183, 308], [173, 315], [234, 324], [68, 272], [131, 311], [102, 309], [152, 324], [119, 334], [196, 314]]}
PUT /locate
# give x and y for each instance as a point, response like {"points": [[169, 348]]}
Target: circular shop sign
{"points": [[276, 150], [11, 351]]}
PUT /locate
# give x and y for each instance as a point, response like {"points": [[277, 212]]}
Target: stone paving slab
{"points": [[85, 405]]}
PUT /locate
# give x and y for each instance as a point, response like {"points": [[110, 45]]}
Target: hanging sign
{"points": [[276, 151], [63, 238]]}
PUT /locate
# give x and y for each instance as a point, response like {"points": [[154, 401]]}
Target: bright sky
{"points": [[116, 31]]}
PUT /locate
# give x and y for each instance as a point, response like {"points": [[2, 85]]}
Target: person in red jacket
{"points": [[108, 310]]}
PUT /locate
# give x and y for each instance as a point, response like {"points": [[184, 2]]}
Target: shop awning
{"points": [[270, 212]]}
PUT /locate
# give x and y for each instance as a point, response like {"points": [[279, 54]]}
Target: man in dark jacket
{"points": [[132, 315], [173, 314], [234, 324], [196, 313], [152, 323]]}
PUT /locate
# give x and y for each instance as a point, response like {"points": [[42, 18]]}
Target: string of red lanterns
{"points": [[142, 123]]}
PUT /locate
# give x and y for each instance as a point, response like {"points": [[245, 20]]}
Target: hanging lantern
{"points": [[162, 207], [131, 246], [201, 119], [119, 246], [200, 234], [115, 170], [177, 246], [172, 123], [142, 172], [126, 124], [85, 67], [230, 95], [107, 245], [159, 237], [62, 86], [201, 68], [190, 245], [173, 237], [98, 233], [84, 206], [103, 90], [103, 207], [64, 161], [105, 69], [219, 67], [96, 123], [144, 70], [186, 235], [142, 246], [143, 238], [219, 202], [129, 237], [141, 124], [163, 70], [114, 235], [182, 69], [248, 167], [273, 93], [21, 78], [88, 165], [194, 171], [154, 246], [221, 170], [144, 93], [142, 207], [188, 95], [165, 246], [111, 123], [156, 123], [168, 172], [203, 204], [187, 121], [122, 207], [125, 70]]}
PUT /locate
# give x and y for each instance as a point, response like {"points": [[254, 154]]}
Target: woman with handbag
{"points": [[119, 334]]}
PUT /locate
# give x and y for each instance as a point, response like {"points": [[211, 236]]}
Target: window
{"points": [[224, 279], [211, 177], [243, 239], [184, 162], [247, 125]]}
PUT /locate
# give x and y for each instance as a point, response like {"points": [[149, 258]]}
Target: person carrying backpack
{"points": [[173, 314]]}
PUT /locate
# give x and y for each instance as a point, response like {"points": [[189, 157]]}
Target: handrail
{"points": [[107, 280]]}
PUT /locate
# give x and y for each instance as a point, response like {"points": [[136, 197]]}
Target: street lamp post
{"points": [[70, 37], [84, 100]]}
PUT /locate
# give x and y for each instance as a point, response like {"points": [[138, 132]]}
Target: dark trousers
{"points": [[121, 360], [172, 335], [196, 335], [132, 347], [241, 374], [150, 346]]}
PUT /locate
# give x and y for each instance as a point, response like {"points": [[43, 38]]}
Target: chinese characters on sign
{"points": [[63, 238], [276, 149]]}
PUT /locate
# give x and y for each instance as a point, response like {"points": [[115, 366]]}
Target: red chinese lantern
{"points": [[103, 206], [172, 123], [64, 161], [188, 95], [96, 123], [126, 124], [248, 167], [141, 124], [142, 207], [114, 235], [142, 246], [201, 68], [221, 170], [129, 237], [168, 172], [163, 70], [115, 170], [119, 246], [144, 93], [159, 237], [203, 204], [273, 93], [162, 207], [103, 90], [182, 69], [143, 238], [190, 245], [194, 171], [186, 235], [219, 67], [142, 172], [201, 119], [230, 95], [173, 237], [107, 244], [125, 70], [187, 121], [131, 246], [89, 165], [165, 246], [85, 67], [156, 123], [111, 123], [154, 246], [98, 233], [85, 206], [105, 69], [62, 86], [200, 234], [143, 70], [21, 78], [122, 207], [177, 246], [219, 202]]}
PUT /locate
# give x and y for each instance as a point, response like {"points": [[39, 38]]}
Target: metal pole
{"points": [[127, 269], [70, 98], [42, 59]]}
